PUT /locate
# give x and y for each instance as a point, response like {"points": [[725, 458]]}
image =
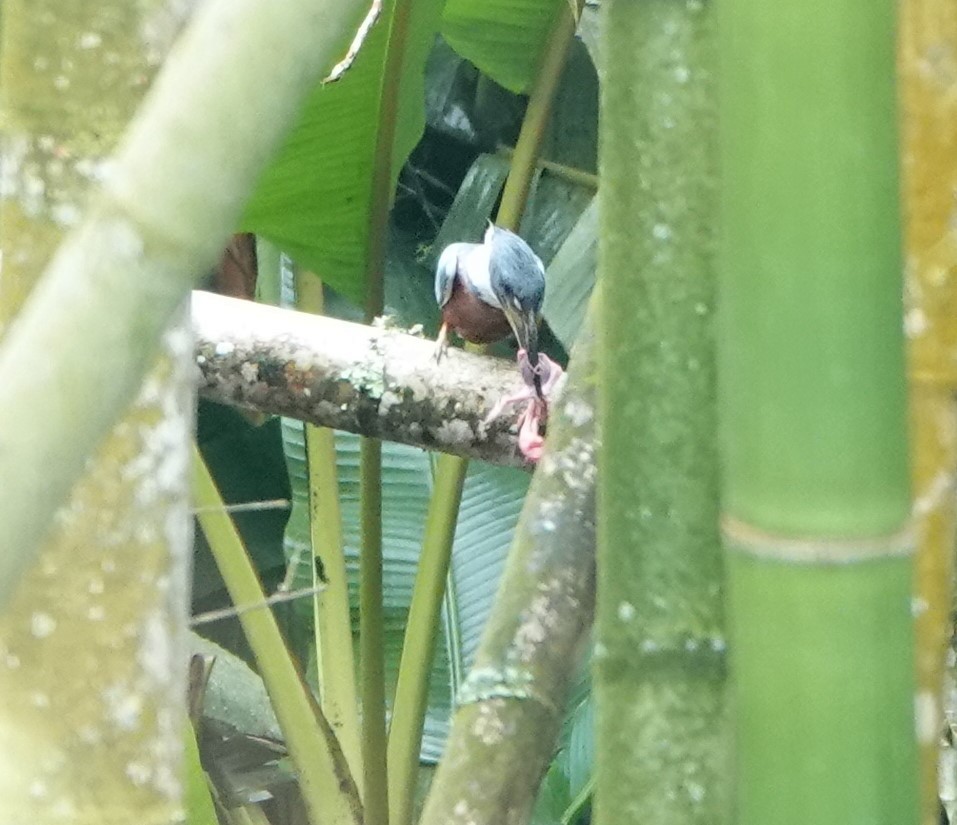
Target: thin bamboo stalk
{"points": [[334, 650], [560, 170], [662, 749], [929, 171], [411, 695], [816, 490], [541, 98], [372, 634]]}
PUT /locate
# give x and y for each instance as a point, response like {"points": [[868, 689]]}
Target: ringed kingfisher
{"points": [[487, 290]]}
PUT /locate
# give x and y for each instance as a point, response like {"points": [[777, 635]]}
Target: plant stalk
{"points": [[411, 694], [371, 616], [161, 217], [335, 659], [512, 703], [327, 787], [541, 98]]}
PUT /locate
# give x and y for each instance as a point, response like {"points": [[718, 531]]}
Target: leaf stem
{"points": [[335, 658], [327, 786]]}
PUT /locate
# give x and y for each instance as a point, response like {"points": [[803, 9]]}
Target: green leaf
{"points": [[553, 210], [200, 809], [504, 38], [571, 138], [491, 502], [580, 748], [464, 105], [473, 205], [553, 797], [571, 278], [313, 201]]}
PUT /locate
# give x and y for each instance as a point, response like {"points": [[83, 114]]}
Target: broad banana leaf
{"points": [[504, 38], [314, 200], [571, 278]]}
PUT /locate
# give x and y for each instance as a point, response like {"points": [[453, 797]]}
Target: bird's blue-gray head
{"points": [[517, 278], [516, 273]]}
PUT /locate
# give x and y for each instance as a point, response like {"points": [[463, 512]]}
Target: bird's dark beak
{"points": [[525, 326]]}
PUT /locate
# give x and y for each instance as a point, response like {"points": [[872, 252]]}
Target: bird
{"points": [[486, 290], [489, 289]]}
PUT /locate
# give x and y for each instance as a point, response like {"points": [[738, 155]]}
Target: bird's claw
{"points": [[441, 344]]}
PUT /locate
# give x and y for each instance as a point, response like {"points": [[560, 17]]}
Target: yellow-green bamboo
{"points": [[929, 166], [164, 212], [816, 491]]}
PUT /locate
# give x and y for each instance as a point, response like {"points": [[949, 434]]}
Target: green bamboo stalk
{"points": [[327, 787], [816, 496], [659, 679], [161, 217], [410, 704], [540, 100]]}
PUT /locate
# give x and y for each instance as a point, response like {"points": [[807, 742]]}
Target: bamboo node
{"points": [[485, 683], [741, 537]]}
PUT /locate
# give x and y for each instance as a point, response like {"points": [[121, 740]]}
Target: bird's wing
{"points": [[477, 277], [446, 270], [468, 261]]}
